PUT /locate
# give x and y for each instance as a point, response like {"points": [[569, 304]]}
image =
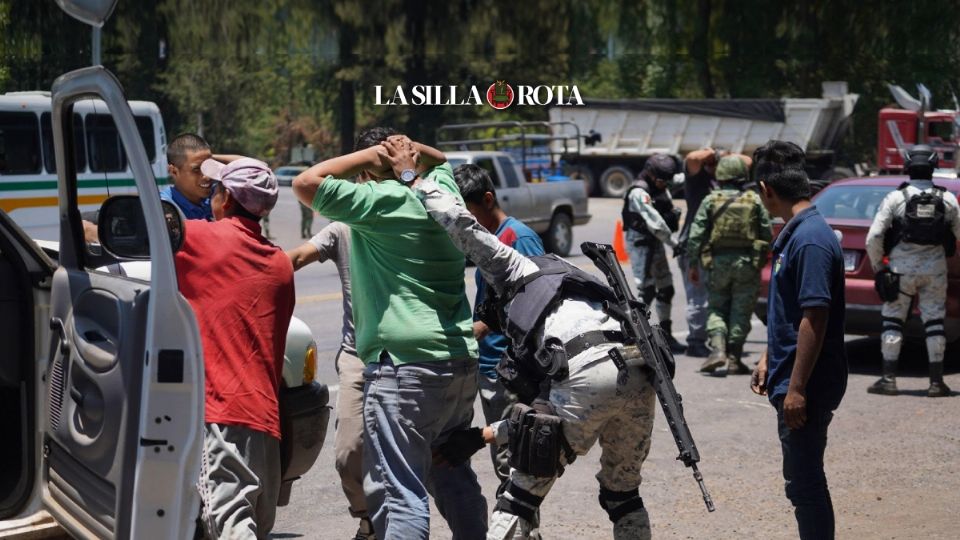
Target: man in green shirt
{"points": [[414, 333]]}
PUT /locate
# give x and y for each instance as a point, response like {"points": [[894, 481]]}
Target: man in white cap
{"points": [[241, 289]]}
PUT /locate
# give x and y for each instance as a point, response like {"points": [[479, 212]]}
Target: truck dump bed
{"points": [[643, 127]]}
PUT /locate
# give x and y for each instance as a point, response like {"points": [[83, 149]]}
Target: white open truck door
{"points": [[101, 378], [109, 380], [124, 388]]}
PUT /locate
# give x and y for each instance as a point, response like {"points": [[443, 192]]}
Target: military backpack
{"points": [[924, 222], [733, 223]]}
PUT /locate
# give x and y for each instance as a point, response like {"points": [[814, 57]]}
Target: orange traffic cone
{"points": [[618, 246]]}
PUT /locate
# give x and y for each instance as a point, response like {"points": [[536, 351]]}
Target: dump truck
{"points": [[619, 135]]}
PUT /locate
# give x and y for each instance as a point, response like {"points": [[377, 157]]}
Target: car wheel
{"points": [[559, 237], [615, 181]]}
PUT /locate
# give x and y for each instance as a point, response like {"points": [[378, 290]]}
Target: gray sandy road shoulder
{"points": [[890, 461]]}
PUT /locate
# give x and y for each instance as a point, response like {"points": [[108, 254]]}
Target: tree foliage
{"points": [[262, 76]]}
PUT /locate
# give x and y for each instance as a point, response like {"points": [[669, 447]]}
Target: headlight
{"points": [[310, 364]]}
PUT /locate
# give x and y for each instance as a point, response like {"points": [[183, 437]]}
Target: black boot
{"points": [[886, 385], [938, 388], [675, 346]]}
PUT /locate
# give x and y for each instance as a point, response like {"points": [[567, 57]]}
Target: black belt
{"points": [[587, 340]]}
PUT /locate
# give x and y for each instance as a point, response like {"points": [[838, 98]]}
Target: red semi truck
{"points": [[899, 128]]}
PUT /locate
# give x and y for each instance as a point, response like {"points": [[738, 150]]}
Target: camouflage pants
{"points": [[595, 407], [932, 293], [651, 271], [732, 286]]}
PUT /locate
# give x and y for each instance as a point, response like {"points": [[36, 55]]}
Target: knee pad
{"points": [[665, 294], [648, 293], [620, 503], [892, 324], [934, 328], [521, 503]]}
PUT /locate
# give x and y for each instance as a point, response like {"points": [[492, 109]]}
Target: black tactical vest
{"points": [[662, 203], [923, 222], [536, 296]]}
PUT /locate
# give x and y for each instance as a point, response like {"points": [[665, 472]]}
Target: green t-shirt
{"points": [[409, 296]]}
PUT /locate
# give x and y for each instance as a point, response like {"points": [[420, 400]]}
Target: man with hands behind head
{"points": [[414, 333], [557, 361]]}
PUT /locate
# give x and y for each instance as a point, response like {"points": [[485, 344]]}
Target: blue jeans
{"points": [[696, 308], [806, 483], [408, 410]]}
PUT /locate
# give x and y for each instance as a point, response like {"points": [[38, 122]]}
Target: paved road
{"points": [[891, 462]]}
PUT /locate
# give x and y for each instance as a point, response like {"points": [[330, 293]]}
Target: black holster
{"points": [[887, 285], [517, 380], [536, 442]]}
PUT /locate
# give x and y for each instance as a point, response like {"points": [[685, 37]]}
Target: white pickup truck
{"points": [[551, 209]]}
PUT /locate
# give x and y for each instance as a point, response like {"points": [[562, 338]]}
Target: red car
{"points": [[849, 206]]}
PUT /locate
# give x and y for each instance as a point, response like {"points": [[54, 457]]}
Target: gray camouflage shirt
{"points": [[333, 244]]}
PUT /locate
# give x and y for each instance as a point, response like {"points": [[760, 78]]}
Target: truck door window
{"points": [[79, 144], [941, 130], [145, 129], [509, 172], [103, 142], [19, 143], [487, 165]]}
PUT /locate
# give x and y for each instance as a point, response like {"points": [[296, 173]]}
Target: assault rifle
{"points": [[653, 349]]}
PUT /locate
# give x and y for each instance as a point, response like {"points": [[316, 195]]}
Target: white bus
{"points": [[28, 177]]}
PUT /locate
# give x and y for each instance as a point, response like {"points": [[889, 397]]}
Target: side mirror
{"points": [[92, 12], [123, 229]]}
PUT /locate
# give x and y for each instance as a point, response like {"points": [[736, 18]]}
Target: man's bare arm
{"points": [[303, 255], [813, 327], [698, 158], [306, 183]]}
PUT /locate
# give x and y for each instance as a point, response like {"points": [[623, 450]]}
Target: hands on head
{"points": [[398, 153]]}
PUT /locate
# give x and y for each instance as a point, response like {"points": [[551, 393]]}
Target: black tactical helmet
{"points": [[660, 166], [921, 156]]}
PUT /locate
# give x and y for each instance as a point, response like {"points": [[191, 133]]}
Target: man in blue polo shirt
{"points": [[480, 196], [190, 190], [804, 372]]}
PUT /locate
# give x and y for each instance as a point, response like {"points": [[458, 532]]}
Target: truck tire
{"points": [[583, 172], [615, 181], [559, 237]]}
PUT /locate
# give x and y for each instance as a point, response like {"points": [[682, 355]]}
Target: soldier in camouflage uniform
{"points": [[595, 401], [730, 237], [649, 220], [915, 245]]}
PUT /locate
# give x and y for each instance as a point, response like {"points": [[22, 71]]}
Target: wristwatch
{"points": [[408, 175]]}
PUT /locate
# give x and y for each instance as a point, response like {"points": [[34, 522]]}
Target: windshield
{"points": [[290, 170], [456, 162], [941, 130], [851, 202]]}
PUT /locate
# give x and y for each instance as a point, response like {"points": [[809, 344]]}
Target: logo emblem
{"points": [[500, 95], [778, 264]]}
